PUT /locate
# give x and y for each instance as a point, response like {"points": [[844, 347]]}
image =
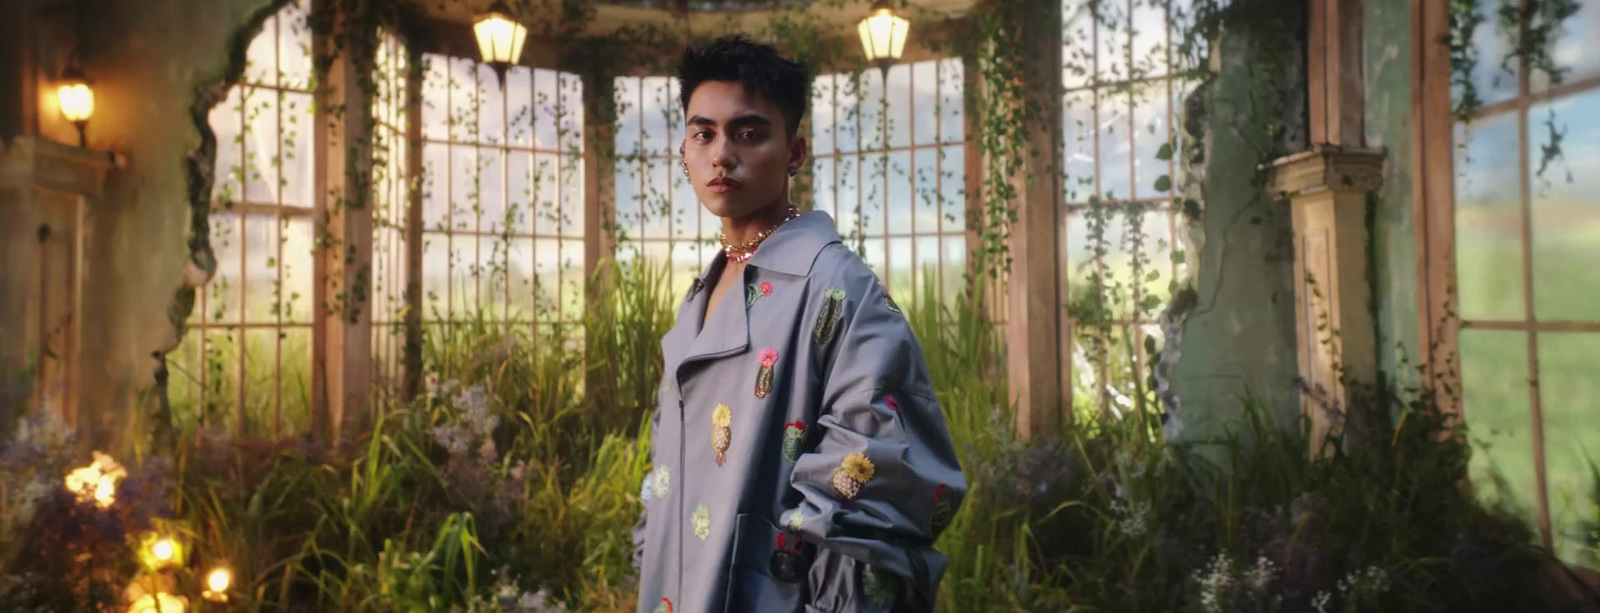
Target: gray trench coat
{"points": [[800, 462]]}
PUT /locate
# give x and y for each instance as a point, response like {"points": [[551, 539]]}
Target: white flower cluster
{"points": [[478, 422], [1215, 582], [1133, 519], [1363, 584], [1261, 577]]}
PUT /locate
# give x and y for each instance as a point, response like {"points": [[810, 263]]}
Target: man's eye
{"points": [[749, 135], [702, 135]]}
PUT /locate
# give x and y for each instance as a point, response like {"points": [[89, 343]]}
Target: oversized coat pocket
{"points": [[757, 555]]}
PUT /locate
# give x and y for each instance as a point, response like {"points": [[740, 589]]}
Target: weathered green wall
{"points": [[146, 59], [1238, 340], [1388, 52]]}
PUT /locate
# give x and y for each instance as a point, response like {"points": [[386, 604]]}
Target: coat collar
{"points": [[794, 246]]}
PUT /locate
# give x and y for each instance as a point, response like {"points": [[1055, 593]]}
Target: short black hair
{"points": [[757, 66]]}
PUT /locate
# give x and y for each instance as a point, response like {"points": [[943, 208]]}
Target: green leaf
{"points": [[1163, 183], [1165, 152]]}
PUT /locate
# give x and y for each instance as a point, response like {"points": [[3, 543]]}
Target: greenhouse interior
{"points": [[358, 305]]}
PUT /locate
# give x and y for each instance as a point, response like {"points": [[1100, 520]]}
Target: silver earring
{"points": [[685, 167]]}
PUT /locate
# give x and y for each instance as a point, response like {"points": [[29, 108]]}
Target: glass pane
{"points": [[924, 100], [657, 204], [927, 270], [629, 176], [1569, 396], [221, 378], [547, 202], [1150, 132], [225, 119], [1078, 117], [546, 267], [519, 191], [926, 178], [900, 203], [1576, 48], [952, 106], [260, 383], [519, 106], [1149, 38], [898, 97], [874, 167], [261, 177], [1077, 46], [657, 106], [572, 198], [491, 106], [685, 209], [1489, 220], [848, 195], [184, 366], [222, 293], [873, 254], [689, 260], [847, 119], [519, 279], [1116, 172], [953, 187], [294, 382], [871, 109], [435, 276], [1494, 399], [1566, 211], [492, 295], [491, 189], [822, 112], [955, 265], [294, 45], [435, 97], [464, 175], [436, 185], [627, 95], [1493, 78], [299, 280], [822, 186], [1112, 40], [297, 122], [901, 263], [465, 273], [464, 100], [261, 57], [570, 114], [572, 280]]}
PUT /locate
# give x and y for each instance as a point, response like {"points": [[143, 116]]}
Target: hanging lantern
{"points": [[499, 37], [883, 35], [76, 99]]}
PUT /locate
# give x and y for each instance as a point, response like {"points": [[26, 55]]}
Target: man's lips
{"points": [[721, 185]]}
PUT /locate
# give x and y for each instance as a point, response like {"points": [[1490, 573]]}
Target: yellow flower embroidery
{"points": [[854, 472], [721, 433]]}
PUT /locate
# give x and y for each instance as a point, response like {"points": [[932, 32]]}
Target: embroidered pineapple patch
{"points": [[794, 437], [660, 481], [878, 586], [701, 522], [721, 431], [795, 520], [756, 291], [854, 472], [664, 607], [942, 509], [828, 318], [767, 358]]}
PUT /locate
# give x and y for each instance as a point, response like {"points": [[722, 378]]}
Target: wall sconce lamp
{"points": [[76, 99], [499, 37], [883, 35]]}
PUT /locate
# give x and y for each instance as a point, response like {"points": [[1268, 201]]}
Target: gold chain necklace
{"points": [[740, 253]]}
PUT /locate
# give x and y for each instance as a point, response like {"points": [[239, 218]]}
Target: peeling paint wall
{"points": [[1238, 336], [146, 59], [1387, 32]]}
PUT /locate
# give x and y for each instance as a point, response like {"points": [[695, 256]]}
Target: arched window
{"points": [[1122, 94], [246, 362], [502, 210], [889, 164]]}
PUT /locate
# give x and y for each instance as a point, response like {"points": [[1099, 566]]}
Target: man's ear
{"points": [[797, 152]]}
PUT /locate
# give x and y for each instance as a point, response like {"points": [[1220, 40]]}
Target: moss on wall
{"points": [[148, 59], [1238, 338], [1388, 51]]}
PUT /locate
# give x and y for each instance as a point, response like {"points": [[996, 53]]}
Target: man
{"points": [[800, 461]]}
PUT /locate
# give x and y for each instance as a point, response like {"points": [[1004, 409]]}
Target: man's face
{"points": [[739, 153]]}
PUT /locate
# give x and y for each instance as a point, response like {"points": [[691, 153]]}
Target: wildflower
{"points": [[452, 438], [1260, 577], [1320, 602], [1366, 583], [1214, 583]]}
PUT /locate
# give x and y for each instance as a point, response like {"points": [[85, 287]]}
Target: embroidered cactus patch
{"points": [[756, 291], [767, 358], [701, 522], [878, 586], [785, 563], [721, 431], [830, 315], [854, 472], [794, 438]]}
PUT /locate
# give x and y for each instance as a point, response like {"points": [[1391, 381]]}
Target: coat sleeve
{"points": [[883, 480]]}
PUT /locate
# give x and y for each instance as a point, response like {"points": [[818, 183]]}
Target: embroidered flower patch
{"points": [[721, 431], [754, 292], [894, 405], [661, 484], [794, 438], [942, 509], [796, 518], [878, 586], [785, 563], [767, 358], [701, 522], [854, 472], [664, 607], [828, 318]]}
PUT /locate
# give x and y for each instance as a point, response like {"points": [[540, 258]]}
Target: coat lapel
{"points": [[727, 332]]}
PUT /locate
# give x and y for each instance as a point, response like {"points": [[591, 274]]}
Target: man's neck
{"points": [[739, 230]]}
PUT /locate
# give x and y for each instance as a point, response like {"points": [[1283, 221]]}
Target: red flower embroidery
{"points": [[938, 492], [894, 405], [768, 357], [766, 288]]}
